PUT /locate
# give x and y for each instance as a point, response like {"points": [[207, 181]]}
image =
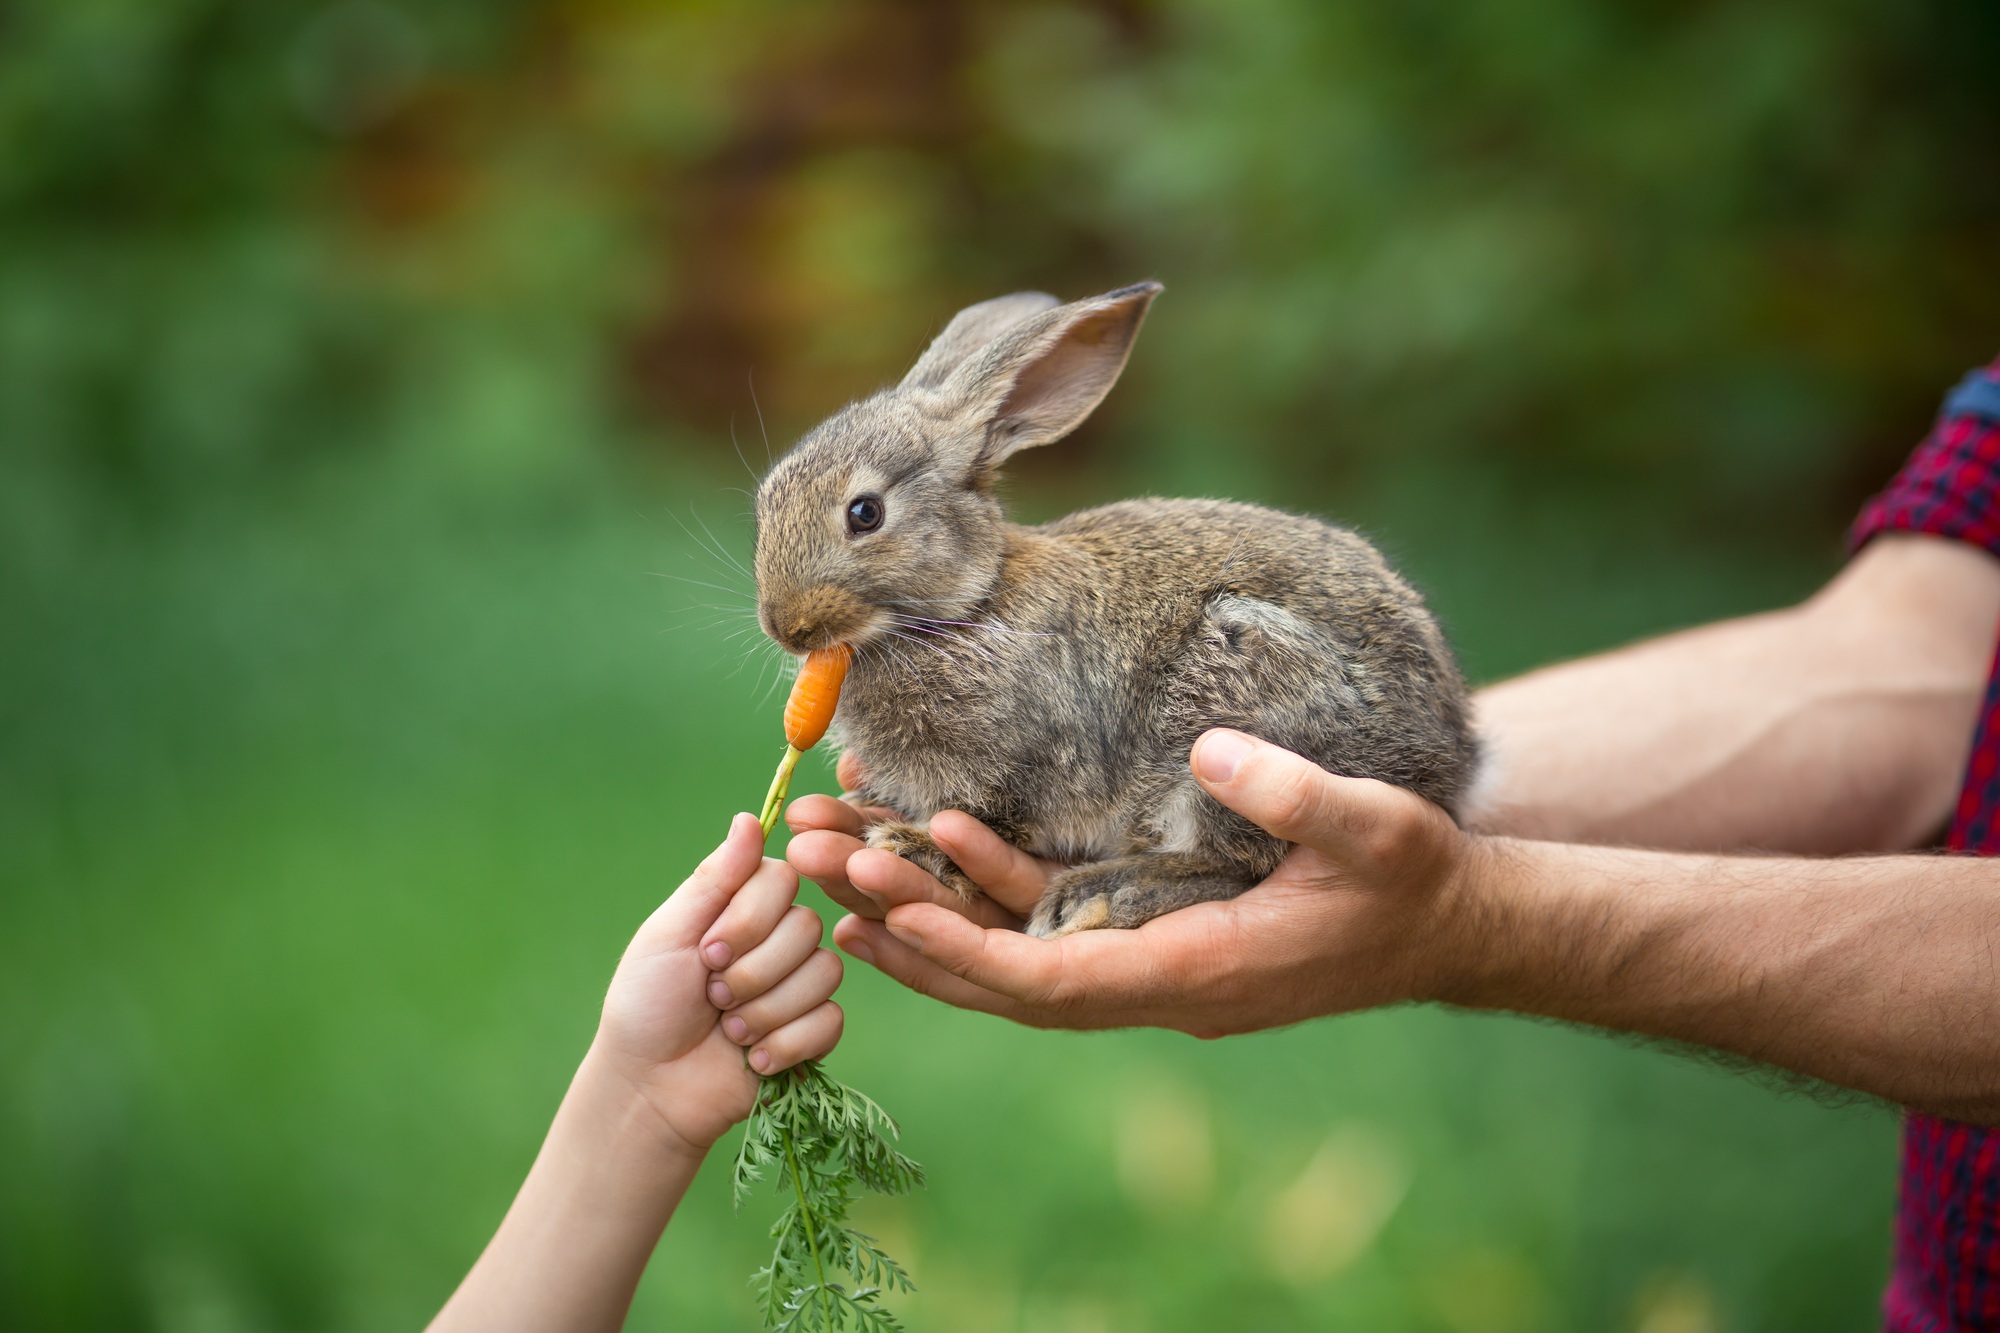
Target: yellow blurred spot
{"points": [[1076, 1316], [888, 1221], [1326, 1218], [191, 1294], [1165, 1149], [981, 1298], [1484, 1291], [1674, 1303]]}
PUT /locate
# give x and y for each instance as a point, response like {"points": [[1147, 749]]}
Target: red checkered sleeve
{"points": [[1951, 488], [1951, 485], [1946, 1273]]}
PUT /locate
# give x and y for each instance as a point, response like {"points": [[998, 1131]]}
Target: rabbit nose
{"points": [[814, 618]]}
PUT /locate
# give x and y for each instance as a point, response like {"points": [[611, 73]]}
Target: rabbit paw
{"points": [[1126, 893], [1056, 916], [1073, 903], [913, 844]]}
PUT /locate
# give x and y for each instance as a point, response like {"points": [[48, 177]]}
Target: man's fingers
{"points": [[1347, 819], [823, 812], [1009, 875], [871, 942], [826, 847], [822, 856], [701, 898], [808, 1037], [1095, 978], [847, 771], [891, 882]]}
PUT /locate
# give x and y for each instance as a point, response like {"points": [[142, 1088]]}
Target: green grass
{"points": [[319, 839]]}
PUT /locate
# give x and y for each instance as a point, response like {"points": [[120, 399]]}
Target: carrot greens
{"points": [[820, 1139]]}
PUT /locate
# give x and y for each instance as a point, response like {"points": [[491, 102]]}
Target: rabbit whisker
{"points": [[889, 650], [715, 549], [931, 644], [944, 629], [998, 627], [777, 679], [945, 647], [950, 637], [751, 380], [700, 583], [757, 649], [928, 601], [687, 626], [754, 478], [721, 550]]}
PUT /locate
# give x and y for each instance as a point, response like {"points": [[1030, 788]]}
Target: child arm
{"points": [[728, 962]]}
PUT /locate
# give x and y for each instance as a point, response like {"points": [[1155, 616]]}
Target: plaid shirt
{"points": [[1947, 1269]]}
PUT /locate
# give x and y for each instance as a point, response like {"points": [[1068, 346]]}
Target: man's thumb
{"points": [[1288, 795]]}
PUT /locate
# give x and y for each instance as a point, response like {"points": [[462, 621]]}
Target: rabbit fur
{"points": [[1050, 680]]}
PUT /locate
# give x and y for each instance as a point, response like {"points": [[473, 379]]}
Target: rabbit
{"points": [[1050, 680]]}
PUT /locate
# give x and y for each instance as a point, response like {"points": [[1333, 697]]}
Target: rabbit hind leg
{"points": [[1128, 891]]}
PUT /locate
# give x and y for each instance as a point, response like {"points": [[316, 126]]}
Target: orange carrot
{"points": [[808, 713]]}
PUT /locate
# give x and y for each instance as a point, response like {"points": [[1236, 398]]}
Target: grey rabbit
{"points": [[1051, 680]]}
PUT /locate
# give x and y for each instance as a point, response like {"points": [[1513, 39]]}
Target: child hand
{"points": [[729, 961]]}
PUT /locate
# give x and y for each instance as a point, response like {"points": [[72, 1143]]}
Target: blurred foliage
{"points": [[350, 353], [319, 843], [1715, 255]]}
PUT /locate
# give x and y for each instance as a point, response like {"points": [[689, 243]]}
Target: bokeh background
{"points": [[363, 367]]}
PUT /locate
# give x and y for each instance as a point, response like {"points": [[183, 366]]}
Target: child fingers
{"points": [[790, 943], [808, 1037], [802, 990], [750, 915]]}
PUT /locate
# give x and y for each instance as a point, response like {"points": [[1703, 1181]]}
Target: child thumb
{"points": [[696, 904]]}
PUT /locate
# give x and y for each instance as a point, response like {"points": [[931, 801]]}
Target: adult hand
{"points": [[827, 848], [1368, 909]]}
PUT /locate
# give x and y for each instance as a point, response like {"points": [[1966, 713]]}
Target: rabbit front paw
{"points": [[913, 844]]}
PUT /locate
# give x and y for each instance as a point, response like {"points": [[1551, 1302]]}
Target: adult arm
{"points": [[1840, 725], [1874, 974], [1837, 726]]}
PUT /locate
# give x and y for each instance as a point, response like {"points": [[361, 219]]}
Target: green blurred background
{"points": [[361, 366]]}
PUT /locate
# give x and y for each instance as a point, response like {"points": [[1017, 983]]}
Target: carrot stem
{"points": [[774, 800]]}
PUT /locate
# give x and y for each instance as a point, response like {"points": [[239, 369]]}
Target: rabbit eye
{"points": [[864, 514]]}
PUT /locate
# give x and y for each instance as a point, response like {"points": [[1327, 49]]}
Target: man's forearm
{"points": [[1876, 974], [1841, 725]]}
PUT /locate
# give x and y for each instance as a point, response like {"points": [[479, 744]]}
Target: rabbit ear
{"points": [[1036, 383], [970, 330]]}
